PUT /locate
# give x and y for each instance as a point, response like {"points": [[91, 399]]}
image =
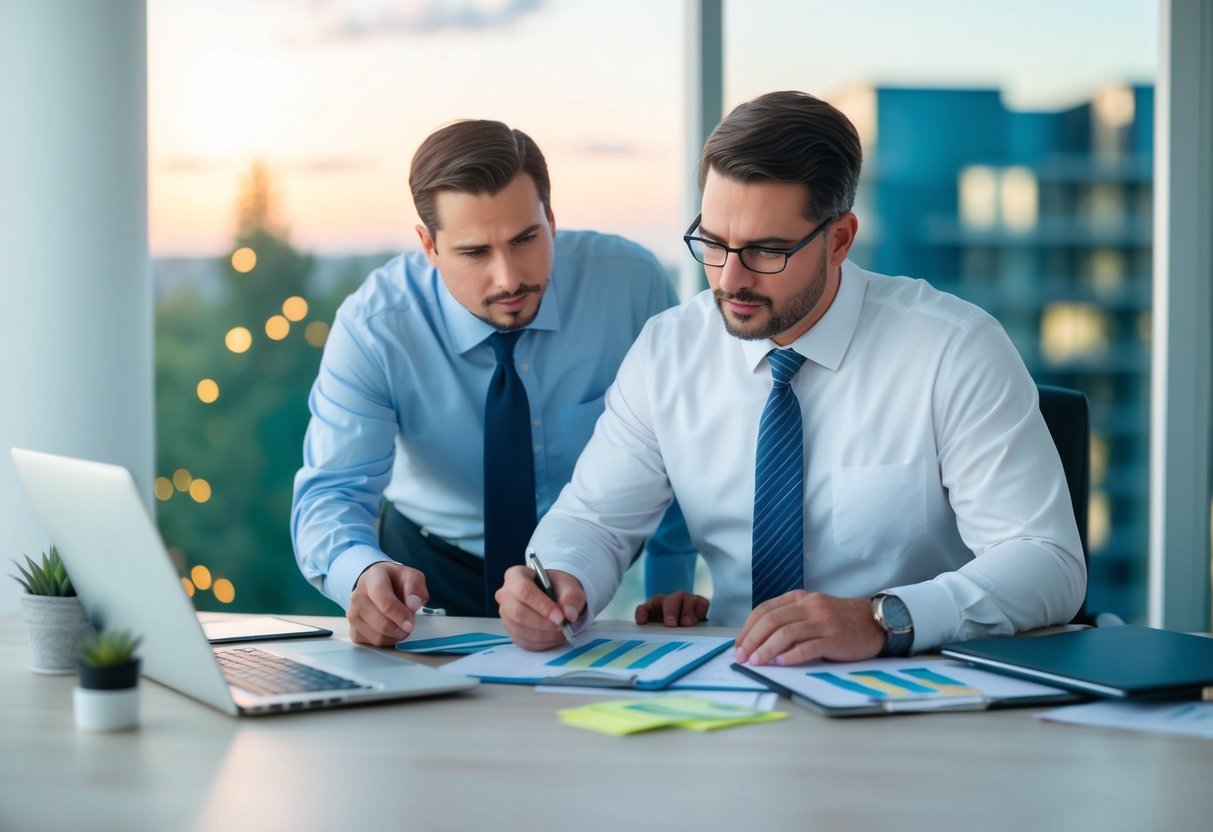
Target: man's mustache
{"points": [[744, 296], [520, 292]]}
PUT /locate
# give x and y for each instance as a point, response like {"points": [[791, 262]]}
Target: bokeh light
{"points": [[201, 576], [238, 339], [208, 390], [316, 333], [244, 260], [277, 327], [294, 308], [163, 487], [225, 591], [200, 490]]}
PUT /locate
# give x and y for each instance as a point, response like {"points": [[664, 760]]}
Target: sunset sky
{"points": [[335, 96]]}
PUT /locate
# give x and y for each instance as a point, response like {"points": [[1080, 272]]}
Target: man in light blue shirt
{"points": [[399, 406]]}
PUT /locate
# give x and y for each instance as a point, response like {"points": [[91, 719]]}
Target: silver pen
{"points": [[545, 583]]}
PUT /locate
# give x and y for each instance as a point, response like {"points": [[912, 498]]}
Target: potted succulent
{"points": [[107, 698], [53, 615]]}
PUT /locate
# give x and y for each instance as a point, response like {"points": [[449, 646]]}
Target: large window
{"points": [[1009, 162], [280, 140]]}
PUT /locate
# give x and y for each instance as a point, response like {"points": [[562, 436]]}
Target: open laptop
{"points": [[126, 580]]}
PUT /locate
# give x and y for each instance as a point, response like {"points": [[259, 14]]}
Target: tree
{"points": [[247, 443]]}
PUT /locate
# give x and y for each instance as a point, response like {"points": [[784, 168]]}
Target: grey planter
{"points": [[57, 627]]}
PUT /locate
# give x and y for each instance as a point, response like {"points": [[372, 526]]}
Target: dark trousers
{"points": [[454, 578]]}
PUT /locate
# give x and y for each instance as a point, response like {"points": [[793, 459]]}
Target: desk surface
{"points": [[496, 757]]}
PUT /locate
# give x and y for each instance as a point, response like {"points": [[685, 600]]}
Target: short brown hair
{"points": [[789, 137], [474, 157]]}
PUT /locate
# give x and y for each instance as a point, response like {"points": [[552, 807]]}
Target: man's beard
{"points": [[516, 321], [780, 319]]}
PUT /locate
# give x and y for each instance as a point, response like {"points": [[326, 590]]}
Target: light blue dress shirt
{"points": [[398, 405]]}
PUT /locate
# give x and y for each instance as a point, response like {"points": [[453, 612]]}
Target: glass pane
{"points": [[280, 138], [1008, 159]]}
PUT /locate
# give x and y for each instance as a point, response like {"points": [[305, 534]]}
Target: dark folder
{"points": [[1114, 662]]}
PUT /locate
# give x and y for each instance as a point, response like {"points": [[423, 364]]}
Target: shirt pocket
{"points": [[574, 426], [879, 511]]}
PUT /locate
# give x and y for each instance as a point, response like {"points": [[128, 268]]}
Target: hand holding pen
{"points": [[545, 583]]}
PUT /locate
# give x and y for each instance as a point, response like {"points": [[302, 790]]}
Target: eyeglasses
{"points": [[760, 259]]}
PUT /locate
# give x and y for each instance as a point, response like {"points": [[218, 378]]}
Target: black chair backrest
{"points": [[1068, 417]]}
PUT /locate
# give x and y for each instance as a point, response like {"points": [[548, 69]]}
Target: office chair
{"points": [[1069, 421]]}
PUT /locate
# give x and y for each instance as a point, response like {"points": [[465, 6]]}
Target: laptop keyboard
{"points": [[264, 673]]}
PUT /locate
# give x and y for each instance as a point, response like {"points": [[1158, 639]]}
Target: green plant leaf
{"points": [[48, 577], [109, 648]]}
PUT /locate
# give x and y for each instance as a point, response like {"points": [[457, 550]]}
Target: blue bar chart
{"points": [[917, 682], [630, 654]]}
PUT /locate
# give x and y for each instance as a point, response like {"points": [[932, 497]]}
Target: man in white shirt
{"points": [[860, 459]]}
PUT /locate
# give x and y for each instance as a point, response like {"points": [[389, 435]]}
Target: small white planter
{"points": [[107, 698], [57, 627], [106, 710]]}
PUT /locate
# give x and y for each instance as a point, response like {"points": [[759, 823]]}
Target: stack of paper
{"points": [[629, 716]]}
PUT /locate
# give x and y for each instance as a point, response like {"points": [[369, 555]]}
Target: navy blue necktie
{"points": [[509, 469], [777, 562]]}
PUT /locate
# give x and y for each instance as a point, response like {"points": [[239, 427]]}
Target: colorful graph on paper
{"points": [[630, 654], [917, 682], [599, 657]]}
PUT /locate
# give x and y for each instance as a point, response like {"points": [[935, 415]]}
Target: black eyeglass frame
{"points": [[740, 252]]}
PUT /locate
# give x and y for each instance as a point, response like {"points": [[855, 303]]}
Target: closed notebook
{"points": [[1116, 662]]}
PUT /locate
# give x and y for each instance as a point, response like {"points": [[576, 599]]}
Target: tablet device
{"points": [[259, 628]]}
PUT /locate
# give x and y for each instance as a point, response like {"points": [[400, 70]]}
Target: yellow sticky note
{"points": [[630, 716]]}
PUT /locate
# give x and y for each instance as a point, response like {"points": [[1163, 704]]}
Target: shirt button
{"points": [[523, 367], [536, 422], [538, 448]]}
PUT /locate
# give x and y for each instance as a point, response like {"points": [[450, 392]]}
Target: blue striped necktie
{"points": [[509, 469], [777, 562]]}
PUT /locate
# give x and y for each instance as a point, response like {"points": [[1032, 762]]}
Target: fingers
{"points": [[570, 595], [532, 618], [806, 626], [682, 609], [384, 602], [757, 619], [650, 609]]}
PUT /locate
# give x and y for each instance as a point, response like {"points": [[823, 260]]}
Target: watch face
{"points": [[892, 615]]}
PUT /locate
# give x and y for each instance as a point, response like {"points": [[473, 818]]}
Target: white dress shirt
{"points": [[929, 471]]}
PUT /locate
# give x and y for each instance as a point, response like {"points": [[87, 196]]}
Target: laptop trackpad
{"points": [[343, 656]]}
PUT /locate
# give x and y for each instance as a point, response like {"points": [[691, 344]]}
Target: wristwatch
{"points": [[893, 617]]}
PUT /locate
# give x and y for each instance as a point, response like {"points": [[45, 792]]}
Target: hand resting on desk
{"points": [[532, 618], [385, 601], [681, 609], [800, 626]]}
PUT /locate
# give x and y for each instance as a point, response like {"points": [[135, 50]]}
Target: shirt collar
{"points": [[827, 340], [466, 331]]}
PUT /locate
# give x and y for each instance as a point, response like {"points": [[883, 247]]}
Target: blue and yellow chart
{"points": [[599, 657], [916, 682]]}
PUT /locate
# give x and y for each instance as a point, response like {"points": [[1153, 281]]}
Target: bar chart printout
{"points": [[648, 661], [906, 682], [632, 654]]}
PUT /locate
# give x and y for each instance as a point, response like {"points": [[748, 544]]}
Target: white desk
{"points": [[497, 758]]}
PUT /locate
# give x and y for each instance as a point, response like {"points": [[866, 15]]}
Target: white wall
{"points": [[75, 286]]}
